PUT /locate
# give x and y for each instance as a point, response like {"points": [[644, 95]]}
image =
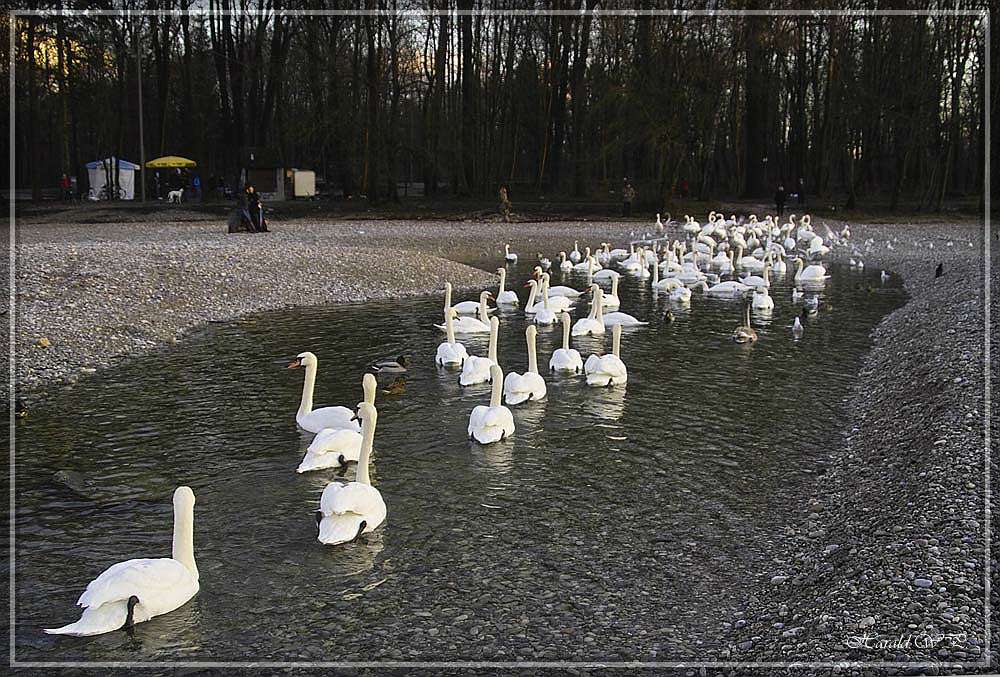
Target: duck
{"points": [[566, 359], [745, 333], [492, 423], [314, 420], [508, 255], [137, 590], [349, 509], [593, 324], [518, 388], [477, 369], [390, 366], [505, 297], [607, 370], [396, 388], [812, 273], [450, 353]]}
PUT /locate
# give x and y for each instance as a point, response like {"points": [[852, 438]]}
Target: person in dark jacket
{"points": [[779, 199]]}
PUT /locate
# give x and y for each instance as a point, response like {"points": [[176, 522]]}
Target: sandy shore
{"points": [[888, 541]]}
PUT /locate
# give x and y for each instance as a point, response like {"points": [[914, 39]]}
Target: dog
{"points": [[175, 195]]}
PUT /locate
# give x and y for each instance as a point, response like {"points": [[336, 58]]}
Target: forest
{"points": [[444, 98]]}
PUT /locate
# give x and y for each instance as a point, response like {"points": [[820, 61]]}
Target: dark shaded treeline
{"points": [[853, 106]]}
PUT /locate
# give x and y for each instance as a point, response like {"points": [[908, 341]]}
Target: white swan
{"points": [[546, 315], [593, 324], [813, 273], [563, 290], [624, 319], [667, 283], [505, 297], [347, 510], [756, 281], [477, 369], [314, 420], [680, 295], [136, 590], [472, 325], [488, 424], [450, 353], [566, 358], [611, 301], [508, 255], [467, 307], [530, 385], [762, 301], [558, 302], [331, 448], [564, 264], [607, 370], [574, 255]]}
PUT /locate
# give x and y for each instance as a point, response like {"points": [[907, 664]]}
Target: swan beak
{"points": [[294, 364]]}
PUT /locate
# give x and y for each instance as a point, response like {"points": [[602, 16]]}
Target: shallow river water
{"points": [[618, 524]]}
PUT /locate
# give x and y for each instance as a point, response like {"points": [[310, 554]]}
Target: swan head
{"points": [[183, 498], [485, 296], [305, 359]]}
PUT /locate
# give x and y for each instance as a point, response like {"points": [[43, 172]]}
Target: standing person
{"points": [[196, 187], [628, 196], [779, 199], [255, 210], [64, 186], [505, 204], [802, 192], [684, 188]]}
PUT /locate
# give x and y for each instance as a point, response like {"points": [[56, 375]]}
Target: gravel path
{"points": [[890, 539]]}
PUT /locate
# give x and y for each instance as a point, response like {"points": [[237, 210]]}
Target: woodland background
{"points": [[860, 107]]}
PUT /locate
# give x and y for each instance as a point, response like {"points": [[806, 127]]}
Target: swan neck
{"points": [[497, 391], [367, 440], [565, 324], [600, 306], [616, 341], [532, 294], [308, 385], [183, 543], [449, 327], [484, 316], [447, 297], [369, 385], [614, 286], [494, 333], [532, 355], [503, 280]]}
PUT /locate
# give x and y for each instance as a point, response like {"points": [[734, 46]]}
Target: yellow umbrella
{"points": [[169, 162]]}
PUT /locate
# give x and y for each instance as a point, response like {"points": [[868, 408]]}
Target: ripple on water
{"points": [[630, 514]]}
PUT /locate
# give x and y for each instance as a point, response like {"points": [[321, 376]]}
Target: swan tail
{"points": [[334, 529], [95, 621]]}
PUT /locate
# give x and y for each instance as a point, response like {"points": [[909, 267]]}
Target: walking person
{"points": [[628, 196], [779, 199]]}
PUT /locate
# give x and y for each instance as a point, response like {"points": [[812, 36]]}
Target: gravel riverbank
{"points": [[888, 542], [884, 561]]}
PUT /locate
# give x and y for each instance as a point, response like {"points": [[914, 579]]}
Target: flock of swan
{"points": [[747, 252]]}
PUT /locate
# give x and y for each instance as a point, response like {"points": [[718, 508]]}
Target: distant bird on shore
{"points": [[939, 271]]}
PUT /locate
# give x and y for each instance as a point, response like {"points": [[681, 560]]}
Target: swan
{"points": [[607, 370], [505, 297], [730, 288], [611, 301], [508, 255], [544, 262], [666, 284], [745, 333], [588, 264], [450, 353], [349, 509], [605, 274], [477, 369], [593, 324], [558, 302], [563, 290], [885, 276], [680, 295], [756, 281], [472, 325], [778, 264], [136, 590], [566, 358], [545, 314], [530, 308], [466, 307], [530, 385], [614, 319], [574, 255], [813, 273], [564, 265], [797, 294], [618, 254], [762, 301], [488, 424], [331, 448], [604, 254], [314, 420]]}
